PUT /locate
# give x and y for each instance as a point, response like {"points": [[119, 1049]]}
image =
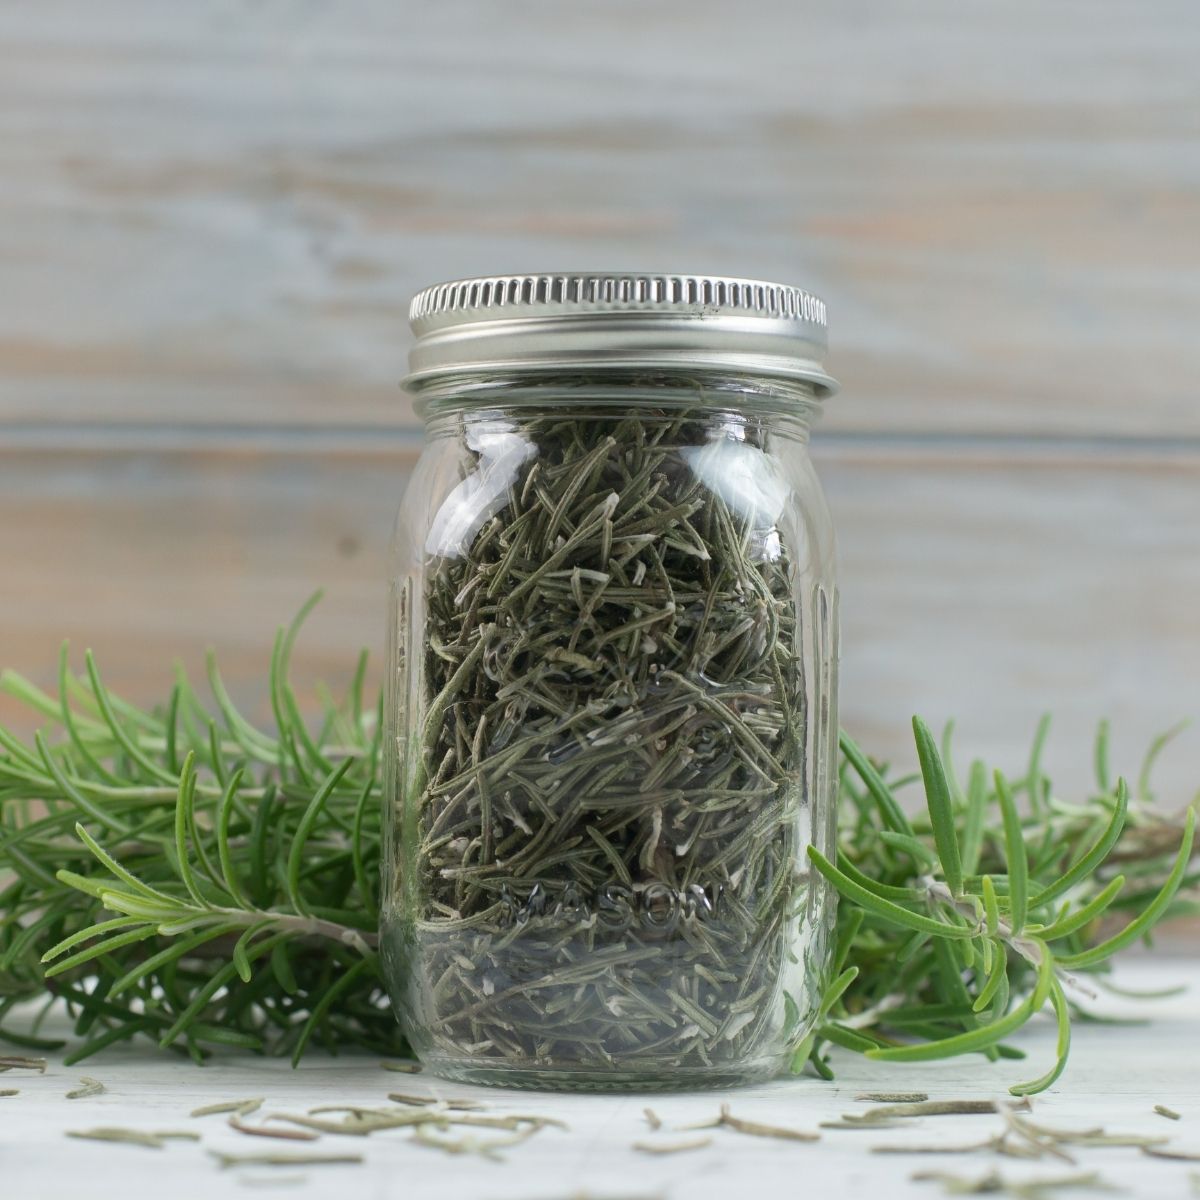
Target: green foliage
{"points": [[962, 939], [186, 876], [183, 875]]}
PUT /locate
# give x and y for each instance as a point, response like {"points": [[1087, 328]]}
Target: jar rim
{"points": [[597, 321]]}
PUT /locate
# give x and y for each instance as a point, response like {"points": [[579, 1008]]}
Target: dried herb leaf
{"points": [[995, 1184], [407, 1068], [284, 1160], [152, 1139], [243, 1108], [291, 1135], [18, 1062], [90, 1087], [1164, 1111], [893, 1097], [923, 1108], [680, 1147], [1178, 1155]]}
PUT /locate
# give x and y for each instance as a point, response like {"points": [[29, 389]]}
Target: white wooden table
{"points": [[1117, 1074]]}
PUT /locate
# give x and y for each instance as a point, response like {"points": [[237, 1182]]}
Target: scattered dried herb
{"points": [[152, 1139], [17, 1062], [992, 1143], [883, 1123], [995, 1184], [243, 1108], [88, 1087], [726, 1120], [652, 1118], [680, 1147], [1166, 1152], [290, 1135], [459, 1105], [407, 1068], [485, 1147], [893, 1097], [7, 1092], [1164, 1111], [285, 1160], [923, 1108]]}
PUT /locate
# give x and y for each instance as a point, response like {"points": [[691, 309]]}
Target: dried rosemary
{"points": [[602, 814], [87, 1087]]}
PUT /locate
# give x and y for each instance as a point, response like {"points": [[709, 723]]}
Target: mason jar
{"points": [[611, 710]]}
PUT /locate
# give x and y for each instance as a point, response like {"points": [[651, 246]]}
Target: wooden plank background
{"points": [[212, 215]]}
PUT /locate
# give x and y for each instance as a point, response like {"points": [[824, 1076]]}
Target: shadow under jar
{"points": [[611, 705]]}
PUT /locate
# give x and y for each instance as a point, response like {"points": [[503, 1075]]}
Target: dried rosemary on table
{"points": [[601, 857], [185, 876]]}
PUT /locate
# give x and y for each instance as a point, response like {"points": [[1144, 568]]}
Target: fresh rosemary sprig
{"points": [[183, 875], [189, 877]]}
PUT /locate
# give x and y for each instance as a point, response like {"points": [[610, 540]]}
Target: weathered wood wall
{"points": [[212, 214]]}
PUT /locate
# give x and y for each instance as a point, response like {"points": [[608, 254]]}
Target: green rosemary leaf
{"points": [[344, 984], [990, 906], [1034, 780], [977, 1039], [996, 978], [1101, 758], [1094, 856], [1145, 920], [1083, 916], [879, 907], [891, 812], [1016, 857], [75, 794], [974, 818], [119, 732], [941, 806], [1063, 1047], [1156, 748], [304, 831]]}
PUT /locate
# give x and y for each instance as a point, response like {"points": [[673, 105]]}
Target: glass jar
{"points": [[612, 703]]}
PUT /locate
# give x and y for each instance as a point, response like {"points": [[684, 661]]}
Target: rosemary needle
{"points": [[679, 1147], [18, 1062], [242, 1108], [88, 1087], [284, 1160], [152, 1139], [726, 1120], [1164, 1111]]}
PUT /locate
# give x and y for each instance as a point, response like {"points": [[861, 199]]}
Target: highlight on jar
{"points": [[611, 710]]}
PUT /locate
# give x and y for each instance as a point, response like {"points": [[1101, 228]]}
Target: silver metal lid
{"points": [[617, 319]]}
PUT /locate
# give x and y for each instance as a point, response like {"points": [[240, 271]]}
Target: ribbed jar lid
{"points": [[588, 320]]}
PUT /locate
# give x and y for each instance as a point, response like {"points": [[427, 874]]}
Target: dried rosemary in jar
{"points": [[612, 699]]}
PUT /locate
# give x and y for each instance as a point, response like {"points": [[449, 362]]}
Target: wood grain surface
{"points": [[212, 215]]}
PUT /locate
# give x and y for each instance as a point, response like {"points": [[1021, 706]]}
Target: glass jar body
{"points": [[610, 733]]}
